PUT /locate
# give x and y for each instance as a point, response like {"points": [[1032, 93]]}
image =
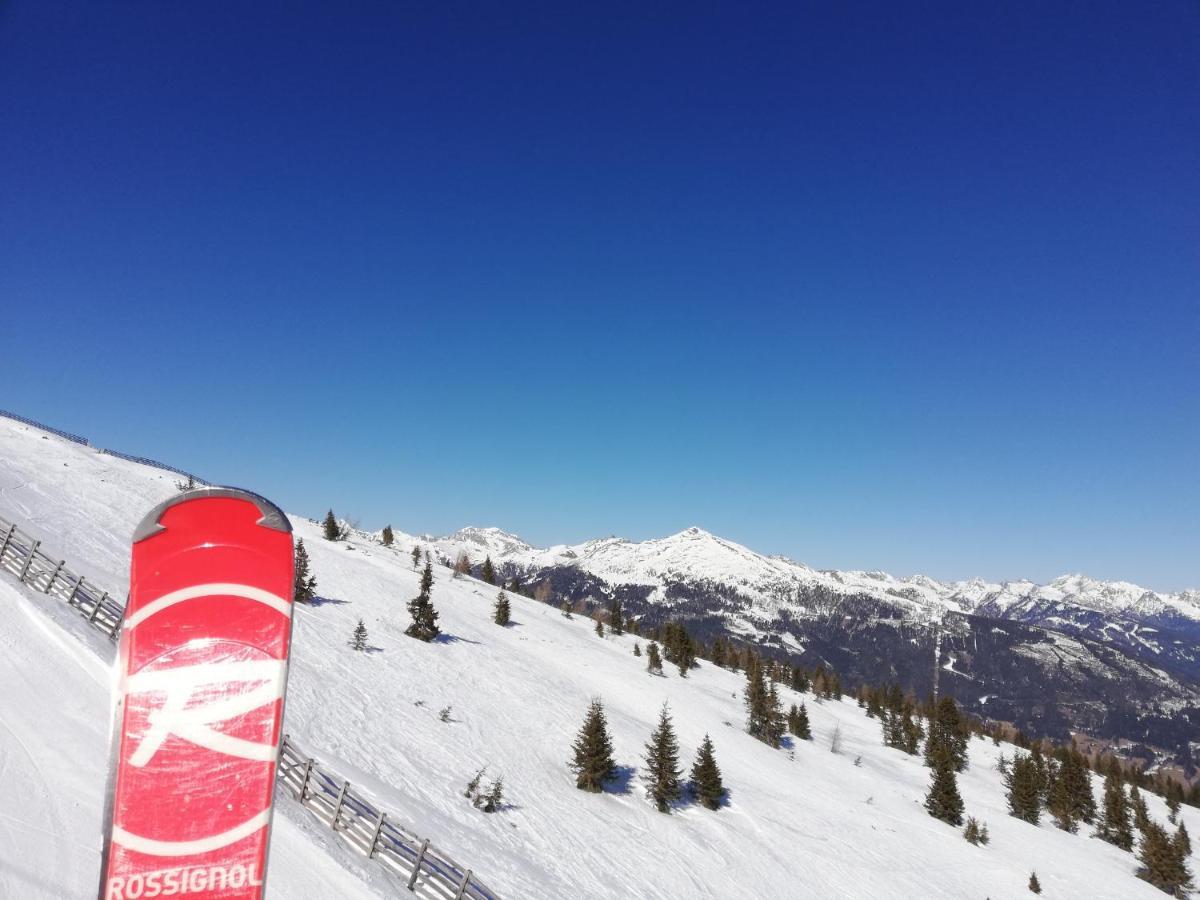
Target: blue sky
{"points": [[876, 285]]}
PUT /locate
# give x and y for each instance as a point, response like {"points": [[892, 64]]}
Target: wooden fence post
{"points": [[54, 575], [462, 888], [96, 608], [308, 767], [375, 836], [337, 809], [28, 560], [7, 537], [412, 882], [74, 591]]}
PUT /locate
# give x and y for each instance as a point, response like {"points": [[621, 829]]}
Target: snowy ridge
{"points": [[696, 555]]}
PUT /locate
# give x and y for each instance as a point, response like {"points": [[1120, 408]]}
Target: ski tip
{"points": [[272, 515]]}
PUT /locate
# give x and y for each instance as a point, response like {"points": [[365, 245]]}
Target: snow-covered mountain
{"points": [[800, 822], [1112, 659], [696, 555]]}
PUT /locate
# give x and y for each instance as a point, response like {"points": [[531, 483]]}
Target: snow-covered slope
{"points": [[53, 753], [801, 822]]}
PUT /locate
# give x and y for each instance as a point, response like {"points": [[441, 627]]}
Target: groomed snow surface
{"points": [[801, 822]]}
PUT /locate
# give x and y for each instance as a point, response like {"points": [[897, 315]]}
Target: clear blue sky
{"points": [[912, 286]]}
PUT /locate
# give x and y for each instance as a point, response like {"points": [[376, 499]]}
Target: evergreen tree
{"points": [[764, 718], [1114, 824], [706, 777], [359, 641], [1141, 818], [420, 608], [599, 626], [502, 609], [305, 582], [616, 620], [592, 761], [488, 572], [678, 647], [387, 536], [653, 660], [1024, 800], [943, 800], [416, 557], [1034, 884], [797, 721], [1162, 862], [637, 649], [330, 525], [494, 798], [1183, 843], [948, 734], [566, 609], [971, 832], [662, 763]]}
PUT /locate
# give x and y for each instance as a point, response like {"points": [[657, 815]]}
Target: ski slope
{"points": [[53, 756], [801, 822]]}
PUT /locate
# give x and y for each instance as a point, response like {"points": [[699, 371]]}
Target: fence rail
{"points": [[373, 832], [355, 818], [22, 555]]}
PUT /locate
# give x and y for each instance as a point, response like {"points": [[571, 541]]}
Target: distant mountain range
{"points": [[1110, 659]]}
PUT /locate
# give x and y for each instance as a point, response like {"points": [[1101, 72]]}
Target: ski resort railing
{"points": [[142, 460], [371, 831], [426, 870], [62, 434], [21, 554]]}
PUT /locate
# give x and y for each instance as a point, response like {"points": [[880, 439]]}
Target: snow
{"points": [[801, 821]]}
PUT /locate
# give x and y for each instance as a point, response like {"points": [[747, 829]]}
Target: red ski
{"points": [[203, 669]]}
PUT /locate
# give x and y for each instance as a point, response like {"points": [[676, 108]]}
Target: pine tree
{"points": [[488, 572], [1183, 843], [566, 609], [592, 761], [1114, 824], [637, 649], [599, 626], [653, 660], [494, 798], [1070, 798], [662, 763], [387, 536], [971, 833], [1162, 862], [943, 800], [305, 582], [947, 731], [706, 777], [616, 620], [1141, 818], [1034, 884], [797, 721], [332, 530], [359, 641], [420, 608], [1024, 801], [502, 609], [416, 557], [764, 718]]}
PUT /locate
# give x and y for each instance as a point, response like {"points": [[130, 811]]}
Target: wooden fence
{"points": [[424, 869], [371, 831], [22, 555]]}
